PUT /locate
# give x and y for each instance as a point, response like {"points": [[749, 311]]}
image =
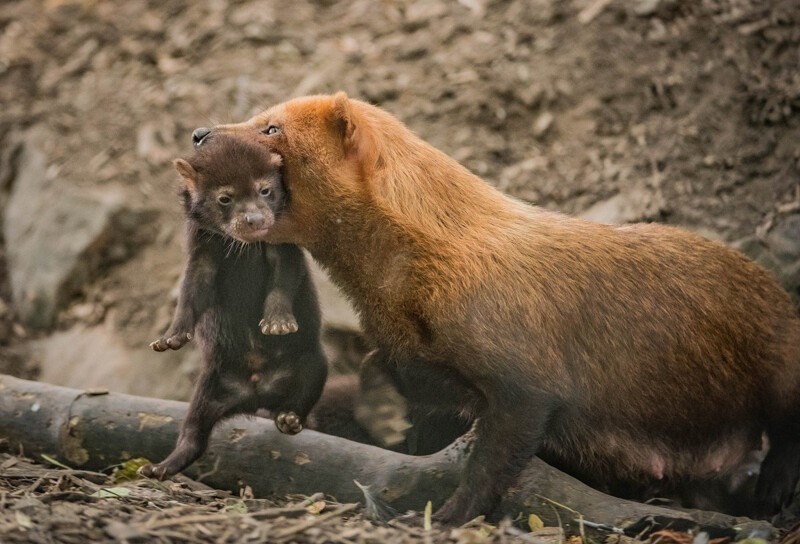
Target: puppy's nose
{"points": [[255, 219], [199, 135]]}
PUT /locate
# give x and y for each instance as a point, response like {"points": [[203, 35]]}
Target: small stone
{"points": [[82, 311], [530, 95], [477, 7], [543, 124], [425, 11], [706, 232], [628, 207], [644, 8], [122, 532]]}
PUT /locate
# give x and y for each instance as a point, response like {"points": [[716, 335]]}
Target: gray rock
{"points": [[55, 235], [99, 358]]}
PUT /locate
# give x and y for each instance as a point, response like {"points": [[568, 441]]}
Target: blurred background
{"points": [[679, 111]]}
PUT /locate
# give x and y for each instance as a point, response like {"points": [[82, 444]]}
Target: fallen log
{"points": [[94, 430]]}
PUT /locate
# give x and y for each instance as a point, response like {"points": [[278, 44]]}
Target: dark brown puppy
{"points": [[638, 353], [232, 191]]}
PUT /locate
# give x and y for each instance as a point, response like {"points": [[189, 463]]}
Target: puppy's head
{"points": [[232, 187]]}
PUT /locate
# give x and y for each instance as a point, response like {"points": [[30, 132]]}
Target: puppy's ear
{"points": [[188, 174], [275, 160]]}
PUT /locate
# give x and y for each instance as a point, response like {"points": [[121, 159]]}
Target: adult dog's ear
{"points": [[355, 131], [344, 118], [188, 174]]}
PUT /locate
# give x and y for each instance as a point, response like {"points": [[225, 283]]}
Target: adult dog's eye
{"points": [[270, 130], [224, 200], [265, 191]]}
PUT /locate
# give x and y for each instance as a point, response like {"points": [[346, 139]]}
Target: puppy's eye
{"points": [[224, 199], [265, 191], [270, 130]]}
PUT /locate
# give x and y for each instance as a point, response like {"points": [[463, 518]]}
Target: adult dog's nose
{"points": [[199, 135]]}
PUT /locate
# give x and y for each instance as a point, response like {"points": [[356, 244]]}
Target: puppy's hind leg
{"points": [[209, 404]]}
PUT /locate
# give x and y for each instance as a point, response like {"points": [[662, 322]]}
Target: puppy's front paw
{"points": [[288, 423], [171, 341]]}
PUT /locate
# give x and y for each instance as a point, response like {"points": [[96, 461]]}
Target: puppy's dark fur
{"points": [[252, 305]]}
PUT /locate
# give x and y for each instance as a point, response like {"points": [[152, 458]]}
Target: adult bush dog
{"points": [[633, 352]]}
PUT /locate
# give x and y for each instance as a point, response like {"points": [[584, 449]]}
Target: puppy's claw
{"points": [[285, 324], [288, 423], [157, 472], [174, 341]]}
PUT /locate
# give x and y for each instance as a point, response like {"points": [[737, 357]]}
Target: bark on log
{"points": [[94, 430]]}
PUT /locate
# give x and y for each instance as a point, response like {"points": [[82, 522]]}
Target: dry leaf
{"points": [[112, 492], [129, 470], [8, 463], [238, 507], [535, 522], [428, 516], [301, 458], [23, 520], [316, 508]]}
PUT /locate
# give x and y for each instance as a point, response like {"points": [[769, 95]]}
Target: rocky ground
{"points": [[679, 111]]}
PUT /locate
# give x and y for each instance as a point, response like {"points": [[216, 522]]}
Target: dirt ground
{"points": [[40, 503], [679, 111]]}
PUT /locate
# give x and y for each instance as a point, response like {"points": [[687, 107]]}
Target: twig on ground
{"points": [[301, 527]]}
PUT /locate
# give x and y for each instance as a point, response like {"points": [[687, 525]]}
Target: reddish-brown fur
{"points": [[632, 353]]}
